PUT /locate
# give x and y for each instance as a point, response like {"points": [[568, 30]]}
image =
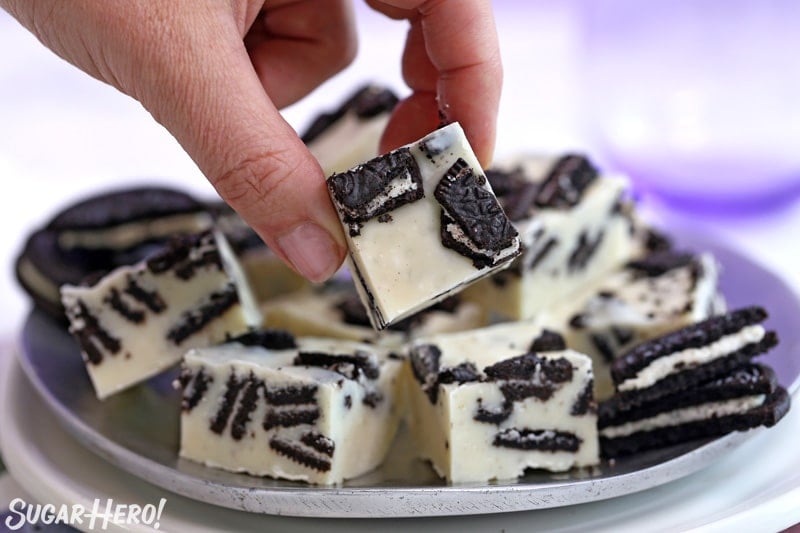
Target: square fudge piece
{"points": [[318, 410], [139, 320], [421, 222], [575, 228], [489, 403], [649, 297]]}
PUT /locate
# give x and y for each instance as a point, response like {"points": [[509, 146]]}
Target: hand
{"points": [[216, 73]]}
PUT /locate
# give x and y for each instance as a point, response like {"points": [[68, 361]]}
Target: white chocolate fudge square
{"points": [[649, 297], [139, 320], [575, 227], [489, 403], [421, 222], [322, 411]]}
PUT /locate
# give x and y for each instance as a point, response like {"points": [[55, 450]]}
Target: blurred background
{"points": [[696, 101]]}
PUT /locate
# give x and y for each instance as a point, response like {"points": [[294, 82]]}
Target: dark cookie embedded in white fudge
{"points": [[432, 187], [747, 397], [376, 187], [473, 223]]}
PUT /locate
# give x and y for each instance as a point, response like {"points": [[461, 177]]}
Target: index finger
{"points": [[452, 53]]}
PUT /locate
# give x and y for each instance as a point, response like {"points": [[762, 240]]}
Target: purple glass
{"points": [[698, 100]]}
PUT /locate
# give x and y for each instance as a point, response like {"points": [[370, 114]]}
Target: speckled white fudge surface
{"points": [[139, 320], [421, 222], [571, 236], [321, 412], [484, 406], [638, 303]]}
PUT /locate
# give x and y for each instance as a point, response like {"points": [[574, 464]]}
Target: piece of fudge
{"points": [[689, 356], [649, 297], [139, 320], [335, 310], [318, 410], [747, 397], [349, 135], [489, 403], [421, 223], [575, 228]]}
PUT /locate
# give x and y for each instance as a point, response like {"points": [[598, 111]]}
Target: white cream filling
{"points": [[127, 235], [397, 187], [458, 235], [685, 415], [692, 357]]}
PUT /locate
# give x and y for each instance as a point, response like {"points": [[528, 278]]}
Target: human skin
{"points": [[215, 74]]}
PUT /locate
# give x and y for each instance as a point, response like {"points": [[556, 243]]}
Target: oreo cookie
{"points": [[689, 356], [747, 397]]}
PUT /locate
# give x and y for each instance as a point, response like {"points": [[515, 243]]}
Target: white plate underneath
{"points": [[137, 431], [755, 487]]}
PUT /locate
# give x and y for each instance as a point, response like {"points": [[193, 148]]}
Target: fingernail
{"points": [[311, 250]]}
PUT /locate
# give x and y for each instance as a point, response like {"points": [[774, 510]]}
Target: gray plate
{"points": [[137, 430]]}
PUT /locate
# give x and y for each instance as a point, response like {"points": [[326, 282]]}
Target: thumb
{"points": [[212, 101]]}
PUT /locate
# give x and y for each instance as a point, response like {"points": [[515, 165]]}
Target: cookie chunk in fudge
{"points": [[649, 297], [317, 410], [421, 223], [575, 228], [139, 320], [490, 403]]}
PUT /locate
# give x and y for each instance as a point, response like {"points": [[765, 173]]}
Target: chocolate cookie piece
{"points": [[683, 359], [473, 223], [699, 421], [694, 336], [376, 187], [42, 267], [123, 206]]}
